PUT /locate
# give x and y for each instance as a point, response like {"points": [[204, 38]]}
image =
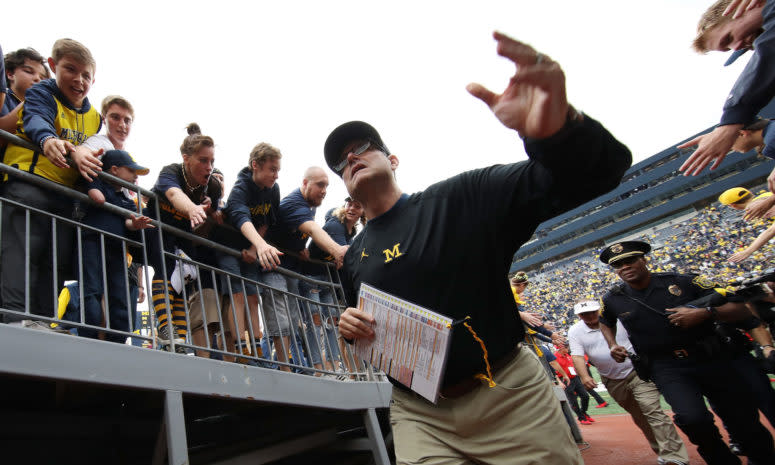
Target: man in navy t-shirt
{"points": [[295, 225]]}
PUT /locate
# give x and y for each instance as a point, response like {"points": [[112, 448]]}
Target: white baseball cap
{"points": [[586, 306]]}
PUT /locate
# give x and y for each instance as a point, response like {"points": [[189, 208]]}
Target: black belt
{"points": [[684, 353]]}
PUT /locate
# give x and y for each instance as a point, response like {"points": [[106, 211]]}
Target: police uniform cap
{"points": [[622, 250], [734, 195]]}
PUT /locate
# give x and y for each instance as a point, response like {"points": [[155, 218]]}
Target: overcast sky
{"points": [[287, 73]]}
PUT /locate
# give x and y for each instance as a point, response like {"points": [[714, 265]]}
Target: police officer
{"points": [[683, 354]]}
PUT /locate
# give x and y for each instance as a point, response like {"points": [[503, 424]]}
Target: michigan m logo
{"points": [[391, 254]]}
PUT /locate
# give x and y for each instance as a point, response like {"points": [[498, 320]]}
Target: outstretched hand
{"points": [[87, 162], [711, 147], [534, 102], [761, 207], [738, 257], [140, 222]]}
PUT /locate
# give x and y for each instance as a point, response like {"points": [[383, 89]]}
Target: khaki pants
{"points": [[518, 422], [641, 400]]}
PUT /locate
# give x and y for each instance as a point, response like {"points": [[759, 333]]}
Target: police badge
{"points": [[616, 248], [674, 289]]}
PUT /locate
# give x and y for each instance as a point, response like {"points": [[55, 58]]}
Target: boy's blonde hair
{"points": [[711, 19], [263, 152], [117, 100], [74, 49]]}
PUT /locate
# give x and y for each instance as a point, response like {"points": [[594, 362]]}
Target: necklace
{"points": [[185, 178], [193, 189]]}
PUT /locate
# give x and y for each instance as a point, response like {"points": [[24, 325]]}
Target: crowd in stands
{"points": [[701, 244]]}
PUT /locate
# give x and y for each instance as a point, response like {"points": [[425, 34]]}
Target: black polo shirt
{"points": [[449, 247]]}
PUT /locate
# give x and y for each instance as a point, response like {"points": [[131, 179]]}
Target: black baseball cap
{"points": [[343, 135]]}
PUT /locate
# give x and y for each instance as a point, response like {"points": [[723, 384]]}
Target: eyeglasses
{"points": [[624, 262], [339, 167]]}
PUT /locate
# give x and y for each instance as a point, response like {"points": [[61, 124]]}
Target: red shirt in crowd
{"points": [[566, 362]]}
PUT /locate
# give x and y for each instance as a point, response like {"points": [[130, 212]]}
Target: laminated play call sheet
{"points": [[410, 343]]}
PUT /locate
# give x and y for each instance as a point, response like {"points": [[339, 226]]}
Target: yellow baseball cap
{"points": [[734, 195]]}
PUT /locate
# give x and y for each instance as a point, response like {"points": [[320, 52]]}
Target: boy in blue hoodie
{"points": [[252, 209], [120, 164], [56, 116]]}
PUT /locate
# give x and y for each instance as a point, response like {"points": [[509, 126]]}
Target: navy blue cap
{"points": [[122, 158], [735, 55]]}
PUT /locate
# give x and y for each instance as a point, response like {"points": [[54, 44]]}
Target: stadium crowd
{"points": [[701, 244]]}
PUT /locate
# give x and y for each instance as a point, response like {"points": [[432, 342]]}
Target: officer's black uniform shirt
{"points": [[651, 332], [449, 247]]}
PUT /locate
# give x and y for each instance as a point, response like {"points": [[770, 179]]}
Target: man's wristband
{"points": [[43, 141], [713, 312]]}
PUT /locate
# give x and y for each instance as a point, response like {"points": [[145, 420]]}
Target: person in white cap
{"points": [[640, 398]]}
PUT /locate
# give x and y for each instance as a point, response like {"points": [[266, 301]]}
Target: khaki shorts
{"points": [[211, 305]]}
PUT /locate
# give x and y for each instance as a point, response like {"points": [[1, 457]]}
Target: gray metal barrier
{"points": [[314, 337]]}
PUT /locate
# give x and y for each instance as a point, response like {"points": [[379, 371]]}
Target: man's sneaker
{"points": [[603, 405], [584, 421], [164, 340], [588, 418]]}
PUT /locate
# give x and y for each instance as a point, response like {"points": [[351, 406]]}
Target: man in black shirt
{"points": [[449, 248], [674, 337]]}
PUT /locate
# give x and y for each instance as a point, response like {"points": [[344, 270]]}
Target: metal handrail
{"points": [[59, 188]]}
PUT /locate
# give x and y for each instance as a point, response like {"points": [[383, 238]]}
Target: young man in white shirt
{"points": [[640, 398]]}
